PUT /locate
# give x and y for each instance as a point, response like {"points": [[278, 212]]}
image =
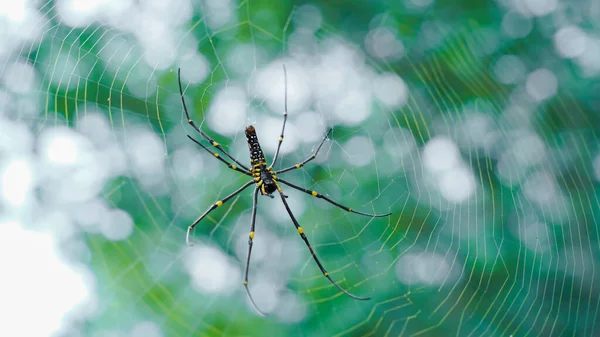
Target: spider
{"points": [[266, 183]]}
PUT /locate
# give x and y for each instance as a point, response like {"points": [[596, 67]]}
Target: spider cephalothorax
{"points": [[267, 183]]}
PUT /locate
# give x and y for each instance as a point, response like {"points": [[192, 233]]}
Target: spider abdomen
{"points": [[262, 175], [257, 157]]}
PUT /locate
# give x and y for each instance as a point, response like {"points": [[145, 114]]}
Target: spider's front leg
{"points": [[216, 155], [313, 156], [207, 137], [285, 114], [213, 207]]}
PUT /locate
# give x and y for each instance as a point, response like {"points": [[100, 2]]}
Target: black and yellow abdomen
{"points": [[262, 175], [257, 157]]}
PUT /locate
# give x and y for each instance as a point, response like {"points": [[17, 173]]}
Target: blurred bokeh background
{"points": [[476, 124]]}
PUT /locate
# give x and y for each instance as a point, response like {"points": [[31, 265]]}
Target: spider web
{"points": [[480, 135]]}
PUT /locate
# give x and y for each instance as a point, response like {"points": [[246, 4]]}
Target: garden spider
{"points": [[267, 183]]}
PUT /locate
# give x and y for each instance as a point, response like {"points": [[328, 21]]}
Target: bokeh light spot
{"points": [[146, 329], [17, 182], [427, 269], [38, 284], [61, 147], [390, 90], [440, 154], [227, 113], [570, 41], [211, 271], [542, 84], [509, 69], [457, 184], [359, 151], [117, 225]]}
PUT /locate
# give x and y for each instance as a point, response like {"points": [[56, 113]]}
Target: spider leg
{"points": [[312, 252], [212, 207], [250, 242], [207, 137], [285, 114], [320, 196], [313, 156], [216, 155]]}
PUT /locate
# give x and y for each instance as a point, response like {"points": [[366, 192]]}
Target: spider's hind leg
{"points": [[312, 252]]}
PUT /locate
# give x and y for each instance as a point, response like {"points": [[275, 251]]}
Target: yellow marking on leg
{"points": [[297, 165], [314, 155], [325, 274], [314, 193], [219, 203], [262, 187], [251, 235], [190, 121], [245, 283], [215, 144], [234, 167], [190, 228], [349, 209], [260, 182], [216, 155], [281, 139], [256, 178], [300, 230]]}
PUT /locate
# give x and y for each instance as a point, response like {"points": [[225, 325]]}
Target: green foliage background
{"points": [[505, 288]]}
